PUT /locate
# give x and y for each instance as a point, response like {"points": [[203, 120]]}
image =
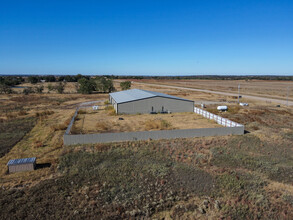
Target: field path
{"points": [[279, 101]]}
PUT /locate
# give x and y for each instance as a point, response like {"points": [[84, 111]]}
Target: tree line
{"points": [[104, 83], [85, 84]]}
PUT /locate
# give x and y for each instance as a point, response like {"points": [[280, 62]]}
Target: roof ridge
{"points": [[138, 94]]}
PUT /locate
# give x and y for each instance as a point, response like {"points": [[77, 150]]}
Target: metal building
{"points": [[24, 164], [135, 101]]}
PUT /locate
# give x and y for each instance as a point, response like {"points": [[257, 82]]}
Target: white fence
{"points": [[220, 120]]}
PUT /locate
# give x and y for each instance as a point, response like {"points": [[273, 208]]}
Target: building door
{"points": [[152, 108]]}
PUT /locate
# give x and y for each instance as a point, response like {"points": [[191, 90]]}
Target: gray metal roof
{"points": [[21, 161], [137, 94]]}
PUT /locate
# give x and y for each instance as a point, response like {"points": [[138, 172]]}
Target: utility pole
{"points": [[238, 92]]}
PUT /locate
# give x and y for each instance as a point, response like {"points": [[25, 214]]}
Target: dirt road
{"points": [[278, 101]]}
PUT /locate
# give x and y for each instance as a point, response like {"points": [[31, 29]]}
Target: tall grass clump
{"points": [[62, 126], [110, 109], [103, 126], [157, 124], [44, 113]]}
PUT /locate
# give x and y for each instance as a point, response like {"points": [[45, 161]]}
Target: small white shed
{"points": [[95, 107]]}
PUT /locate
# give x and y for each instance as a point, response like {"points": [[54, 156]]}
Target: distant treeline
{"points": [[210, 77], [14, 80], [85, 84]]}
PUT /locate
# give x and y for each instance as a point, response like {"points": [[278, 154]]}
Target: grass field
{"points": [[13, 131], [232, 177], [265, 88]]}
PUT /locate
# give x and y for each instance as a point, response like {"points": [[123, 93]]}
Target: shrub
{"points": [[33, 79], [112, 112], [104, 85], [103, 126], [27, 91], [125, 85], [39, 89], [50, 88], [110, 109], [86, 86], [5, 89], [60, 88]]}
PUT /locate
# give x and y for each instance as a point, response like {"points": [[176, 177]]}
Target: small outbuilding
{"points": [[24, 164], [135, 101]]}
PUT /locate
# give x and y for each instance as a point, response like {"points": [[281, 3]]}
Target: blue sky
{"points": [[152, 37]]}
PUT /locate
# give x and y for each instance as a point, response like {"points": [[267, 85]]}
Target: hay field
{"points": [[103, 121], [264, 88]]}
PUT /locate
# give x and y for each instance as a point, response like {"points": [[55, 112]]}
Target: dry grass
{"points": [[266, 88], [103, 126], [41, 142], [111, 110], [38, 144], [22, 113], [81, 111], [61, 126], [11, 115], [45, 140], [44, 113], [157, 124], [103, 120]]}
